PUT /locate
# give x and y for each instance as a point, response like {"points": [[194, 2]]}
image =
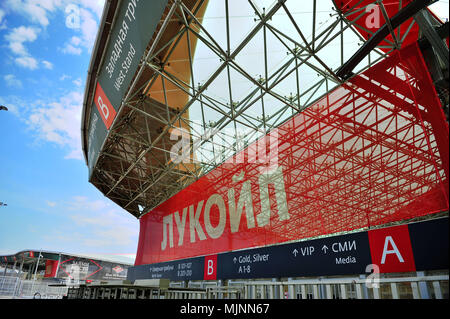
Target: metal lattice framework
{"points": [[231, 74], [360, 157]]}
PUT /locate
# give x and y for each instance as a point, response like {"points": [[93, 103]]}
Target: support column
{"points": [[57, 267], [14, 268], [21, 267], [423, 288], [365, 293]]}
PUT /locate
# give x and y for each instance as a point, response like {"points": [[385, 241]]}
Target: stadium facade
{"points": [[269, 139]]}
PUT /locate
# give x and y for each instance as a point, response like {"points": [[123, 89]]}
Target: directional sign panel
{"points": [[429, 242], [179, 270], [417, 246], [339, 255]]}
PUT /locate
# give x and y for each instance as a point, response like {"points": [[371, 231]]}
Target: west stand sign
{"points": [[132, 31]]}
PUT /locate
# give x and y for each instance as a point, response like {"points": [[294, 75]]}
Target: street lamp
{"points": [[3, 204], [2, 107]]}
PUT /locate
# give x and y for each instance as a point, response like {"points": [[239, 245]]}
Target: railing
{"points": [[14, 287], [130, 291], [417, 287], [9, 286], [347, 288], [184, 294], [229, 292], [420, 287]]}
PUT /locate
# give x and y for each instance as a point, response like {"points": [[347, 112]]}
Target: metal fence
{"points": [[418, 287], [9, 286], [425, 287], [14, 287]]}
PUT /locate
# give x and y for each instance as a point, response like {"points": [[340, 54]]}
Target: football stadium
{"points": [[273, 149], [266, 145]]}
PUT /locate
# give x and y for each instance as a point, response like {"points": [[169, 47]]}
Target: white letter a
{"points": [[393, 251]]}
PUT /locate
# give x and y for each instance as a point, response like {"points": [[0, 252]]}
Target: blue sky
{"points": [[44, 57]]}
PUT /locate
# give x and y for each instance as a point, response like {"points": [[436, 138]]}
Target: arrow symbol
{"points": [[234, 259], [295, 252], [324, 248]]}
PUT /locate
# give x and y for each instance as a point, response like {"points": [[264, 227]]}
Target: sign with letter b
{"points": [[104, 106], [210, 268]]}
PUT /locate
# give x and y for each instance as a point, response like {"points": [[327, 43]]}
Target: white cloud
{"points": [[69, 48], [82, 202], [2, 21], [108, 225], [39, 13], [12, 81], [63, 77], [18, 36], [59, 122], [47, 64], [72, 47], [50, 203], [75, 40], [16, 39], [27, 62], [36, 11], [89, 28], [94, 5], [87, 33], [94, 225], [77, 82]]}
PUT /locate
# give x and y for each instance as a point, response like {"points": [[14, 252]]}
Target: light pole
{"points": [[3, 204], [2, 107], [36, 269]]}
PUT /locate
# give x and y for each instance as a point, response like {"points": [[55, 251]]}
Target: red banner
{"points": [[366, 154], [50, 268]]}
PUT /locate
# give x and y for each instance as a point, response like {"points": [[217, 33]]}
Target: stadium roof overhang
{"points": [[222, 80]]}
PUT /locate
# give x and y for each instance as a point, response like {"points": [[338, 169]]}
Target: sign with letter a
{"points": [[391, 249]]}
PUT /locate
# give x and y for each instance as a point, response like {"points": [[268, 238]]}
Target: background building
{"points": [[40, 265]]}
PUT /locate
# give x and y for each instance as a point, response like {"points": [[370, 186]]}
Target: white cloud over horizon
{"points": [[92, 226], [108, 224]]}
